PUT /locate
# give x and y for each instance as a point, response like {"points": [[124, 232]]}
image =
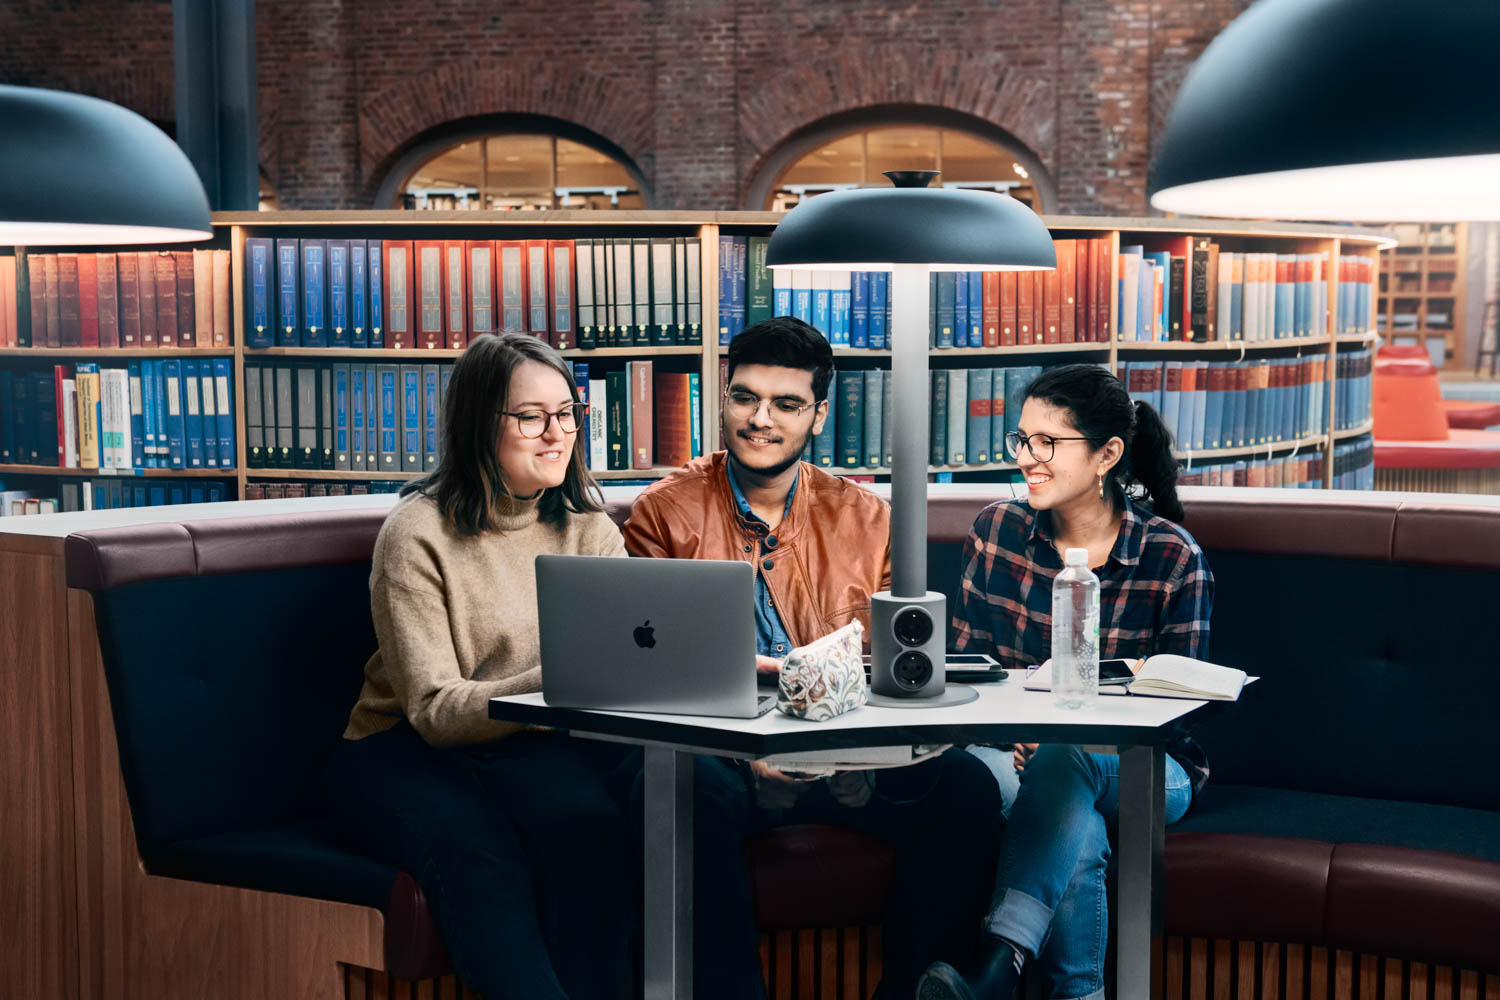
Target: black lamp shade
{"points": [[76, 170], [1340, 109], [872, 229]]}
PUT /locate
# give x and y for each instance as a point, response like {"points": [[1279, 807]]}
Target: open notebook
{"points": [[1165, 675]]}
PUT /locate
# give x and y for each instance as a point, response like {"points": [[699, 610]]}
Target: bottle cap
{"points": [[1076, 557]]}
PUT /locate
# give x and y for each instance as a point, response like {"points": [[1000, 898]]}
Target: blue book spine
{"points": [[340, 417], [1286, 307], [377, 295], [822, 304], [880, 284], [1016, 381], [976, 308], [138, 495], [137, 415], [802, 295], [338, 293], [357, 416], [411, 400], [215, 492], [176, 495], [388, 418], [726, 288], [695, 414], [859, 309], [163, 442], [192, 414], [209, 410], [224, 410], [261, 331], [314, 293], [288, 270], [148, 414], [981, 382], [176, 424], [7, 419], [741, 283], [1236, 311], [430, 453], [196, 493], [781, 292], [841, 305], [156, 496], [961, 309], [945, 300]]}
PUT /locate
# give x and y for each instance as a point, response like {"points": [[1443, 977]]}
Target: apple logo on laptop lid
{"points": [[645, 635]]}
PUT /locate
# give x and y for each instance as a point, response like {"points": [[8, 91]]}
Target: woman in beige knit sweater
{"points": [[520, 849]]}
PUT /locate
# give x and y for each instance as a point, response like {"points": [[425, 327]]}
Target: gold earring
{"points": [[1101, 486]]}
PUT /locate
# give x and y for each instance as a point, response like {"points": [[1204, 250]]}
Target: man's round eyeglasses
{"points": [[1041, 446], [746, 404], [533, 423]]}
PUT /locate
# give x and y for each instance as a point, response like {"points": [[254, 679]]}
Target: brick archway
{"points": [[391, 119], [775, 106]]}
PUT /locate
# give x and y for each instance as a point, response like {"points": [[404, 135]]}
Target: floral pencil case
{"points": [[825, 678]]}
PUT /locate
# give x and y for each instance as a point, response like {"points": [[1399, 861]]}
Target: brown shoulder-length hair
{"points": [[468, 480]]}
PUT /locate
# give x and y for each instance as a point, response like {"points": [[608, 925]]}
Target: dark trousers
{"points": [[943, 819], [521, 851]]}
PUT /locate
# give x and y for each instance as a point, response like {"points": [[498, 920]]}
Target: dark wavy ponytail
{"points": [[1100, 408]]}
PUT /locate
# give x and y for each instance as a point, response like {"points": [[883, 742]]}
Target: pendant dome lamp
{"points": [[910, 230], [1339, 109], [79, 171]]}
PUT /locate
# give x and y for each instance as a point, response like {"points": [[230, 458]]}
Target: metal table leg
{"points": [[1138, 913], [668, 874]]}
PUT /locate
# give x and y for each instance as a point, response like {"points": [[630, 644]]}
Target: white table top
{"points": [[1003, 713]]}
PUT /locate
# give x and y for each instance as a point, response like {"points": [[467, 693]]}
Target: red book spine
{"points": [[1067, 287], [146, 288], [1081, 289], [1039, 305], [70, 330], [8, 312], [165, 269], [53, 301], [479, 272], [455, 295], [129, 300], [642, 405], [1024, 287], [1103, 279], [991, 308], [88, 299], [429, 302], [59, 373], [1008, 309], [109, 300], [562, 319], [398, 293], [187, 295], [1052, 307]]}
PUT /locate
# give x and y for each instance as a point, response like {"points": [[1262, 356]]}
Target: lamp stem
{"points": [[910, 412]]}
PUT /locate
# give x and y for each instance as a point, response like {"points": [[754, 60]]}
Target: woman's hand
{"points": [[767, 666], [1022, 755], [851, 788], [773, 789]]}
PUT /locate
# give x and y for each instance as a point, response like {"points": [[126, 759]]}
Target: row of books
{"points": [[971, 410], [966, 308], [257, 490], [150, 298], [110, 491], [1300, 471], [1183, 288], [342, 293], [641, 416], [173, 413], [332, 415], [1354, 388], [1229, 404]]}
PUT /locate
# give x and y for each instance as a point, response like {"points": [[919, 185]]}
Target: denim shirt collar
{"points": [[744, 505]]}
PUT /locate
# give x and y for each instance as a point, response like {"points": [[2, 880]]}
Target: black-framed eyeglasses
{"points": [[746, 404], [533, 423], [1041, 446]]}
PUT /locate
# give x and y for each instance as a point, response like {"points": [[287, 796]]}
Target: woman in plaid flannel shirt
{"points": [[1092, 457]]}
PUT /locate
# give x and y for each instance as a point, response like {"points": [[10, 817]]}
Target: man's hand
{"points": [[1023, 754], [767, 666], [773, 789], [851, 788]]}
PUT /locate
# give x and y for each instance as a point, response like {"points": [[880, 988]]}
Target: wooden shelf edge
{"points": [[54, 470], [1221, 346], [1352, 432], [117, 352], [1250, 451]]}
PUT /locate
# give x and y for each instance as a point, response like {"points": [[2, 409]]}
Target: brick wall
{"points": [[699, 93]]}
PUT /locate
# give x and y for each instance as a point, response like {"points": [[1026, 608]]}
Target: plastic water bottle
{"points": [[1075, 632]]}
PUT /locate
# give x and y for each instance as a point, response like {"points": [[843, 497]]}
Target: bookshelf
{"points": [[1334, 337], [1421, 290]]}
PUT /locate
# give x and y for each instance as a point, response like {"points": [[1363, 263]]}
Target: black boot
{"points": [[994, 976]]}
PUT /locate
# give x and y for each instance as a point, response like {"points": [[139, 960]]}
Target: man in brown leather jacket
{"points": [[820, 546]]}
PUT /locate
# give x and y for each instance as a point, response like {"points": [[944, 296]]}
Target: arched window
{"points": [[514, 170], [830, 157]]}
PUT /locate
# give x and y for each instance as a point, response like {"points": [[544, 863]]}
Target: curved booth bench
{"points": [[1352, 815]]}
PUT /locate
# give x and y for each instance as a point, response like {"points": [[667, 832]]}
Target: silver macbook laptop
{"points": [[649, 635]]}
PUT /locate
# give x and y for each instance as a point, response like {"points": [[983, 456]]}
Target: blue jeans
{"points": [[1050, 898]]}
